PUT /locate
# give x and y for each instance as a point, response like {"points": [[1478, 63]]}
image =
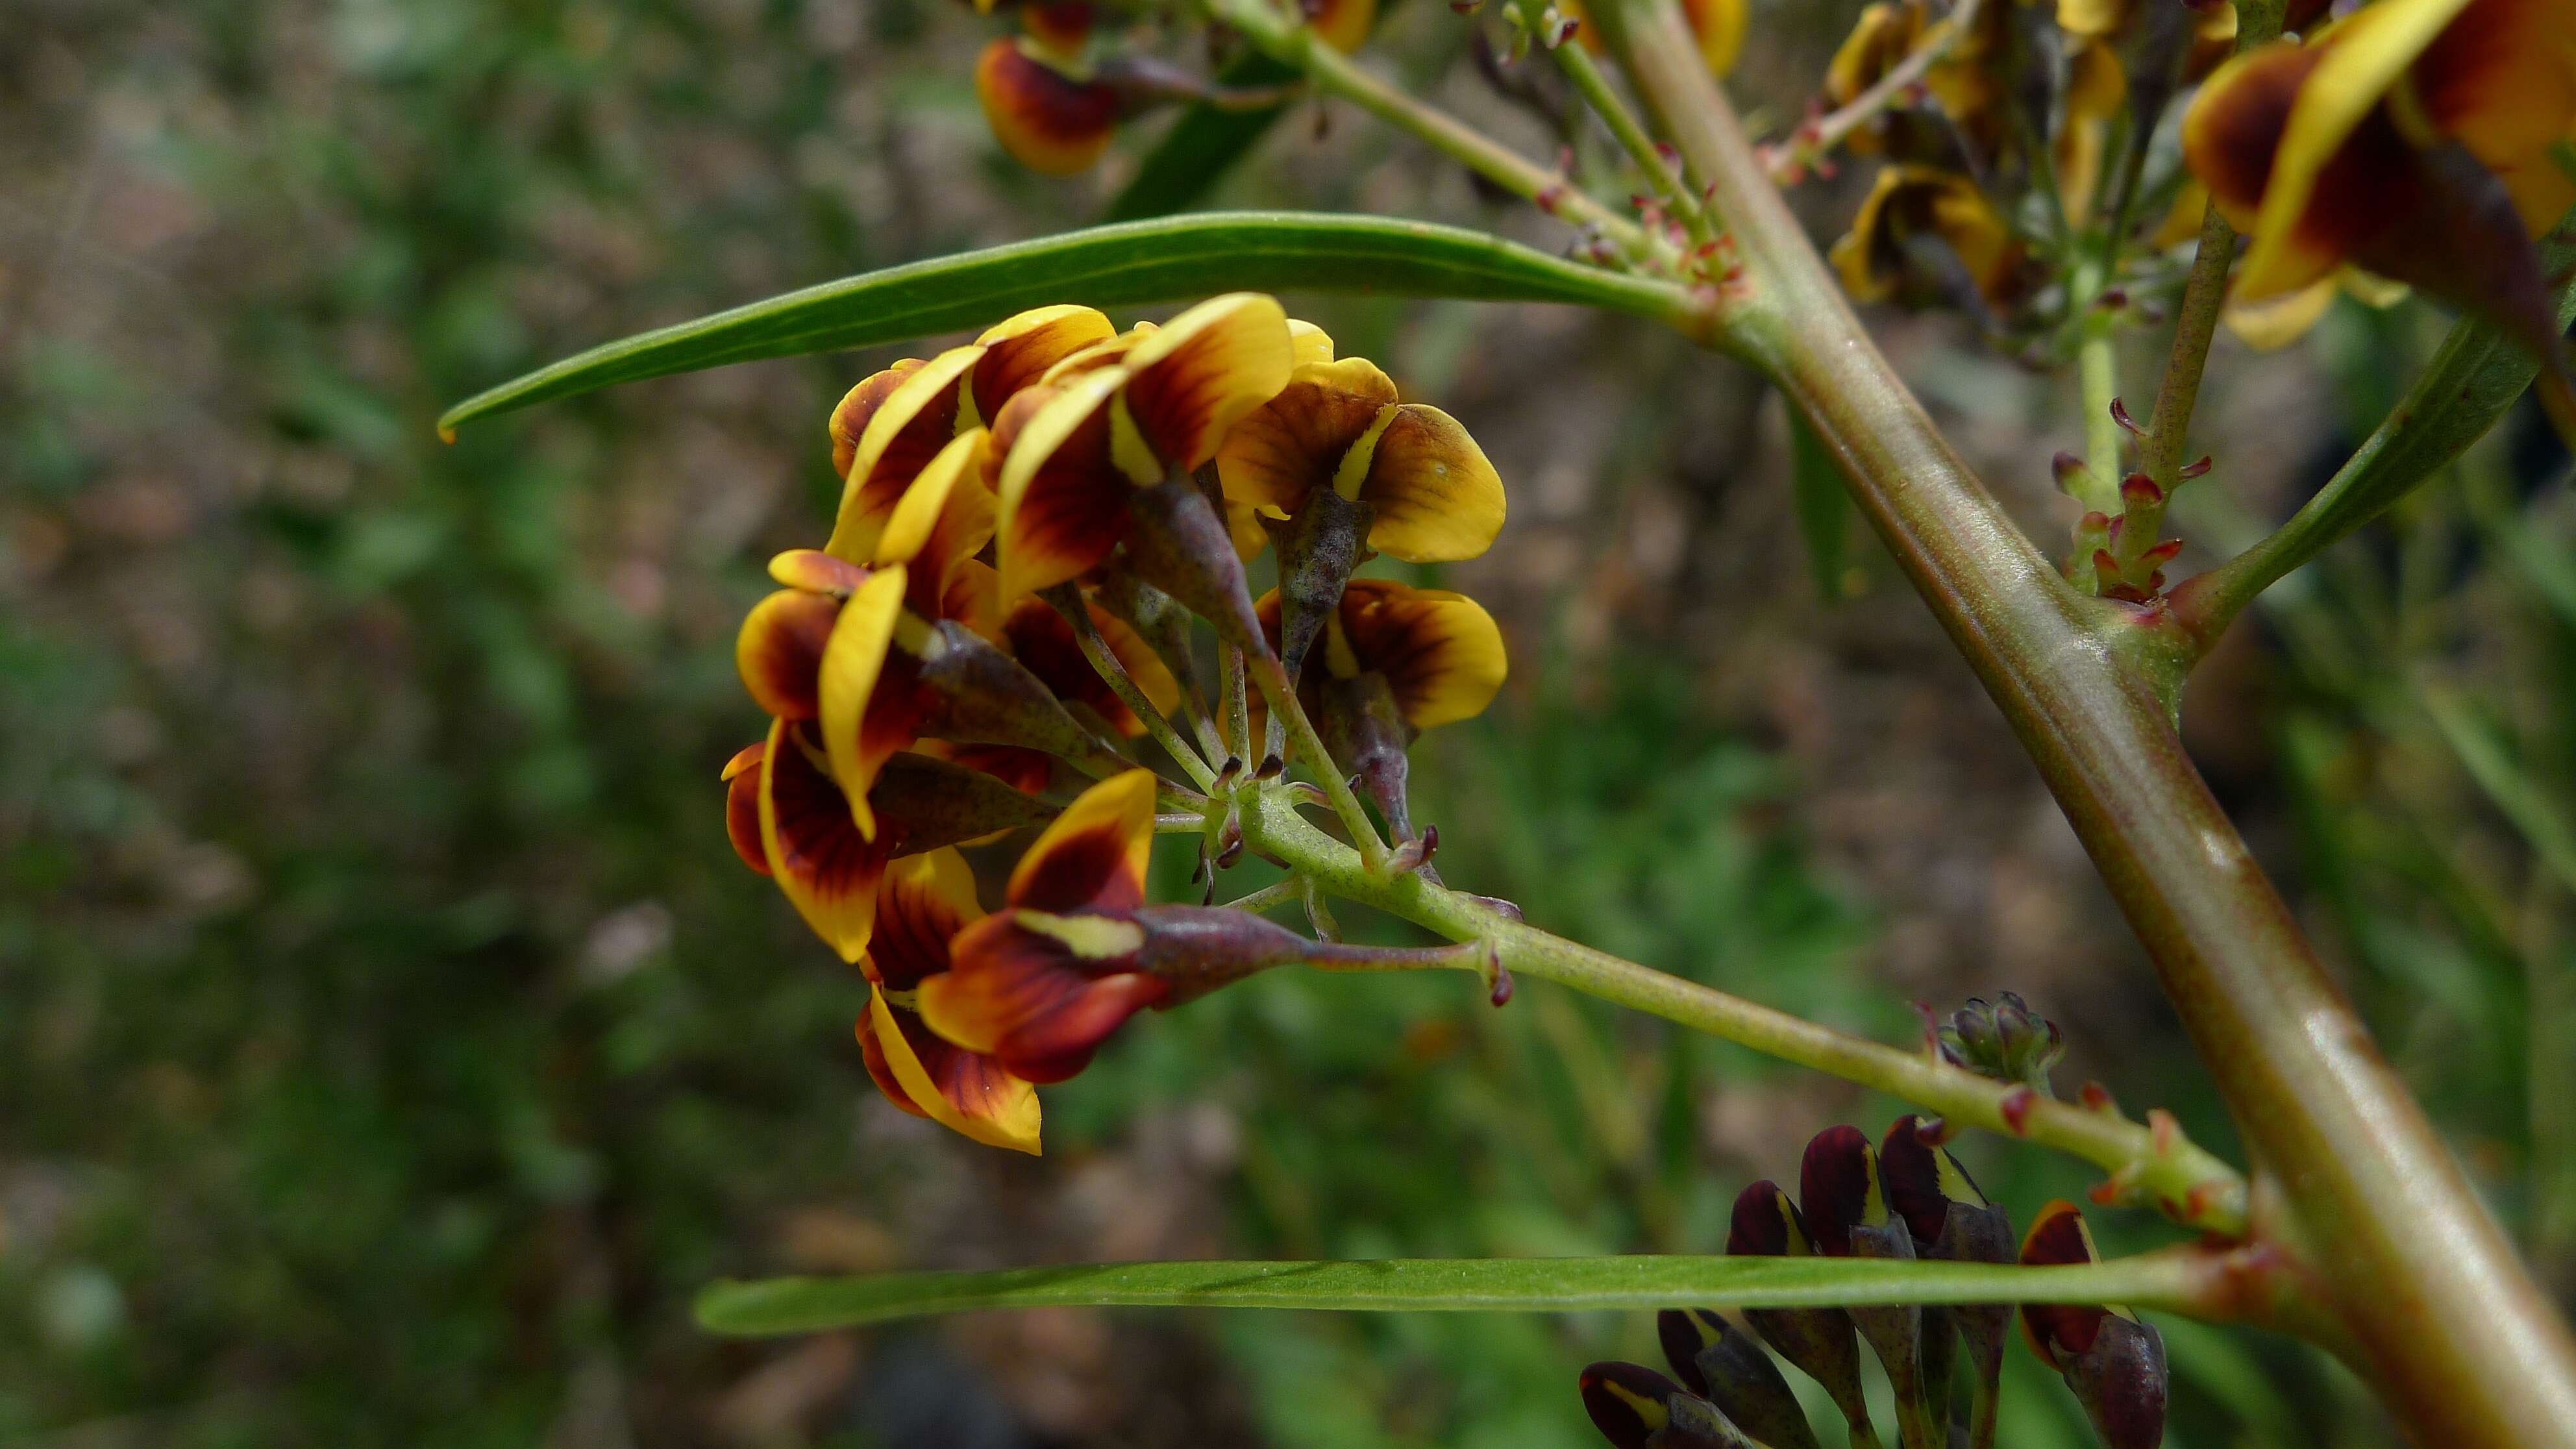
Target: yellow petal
{"points": [[2276, 322], [1063, 500], [1296, 442], [1093, 856], [971, 1094], [943, 517], [1197, 377], [912, 425], [1309, 342], [779, 652], [850, 415], [1437, 497], [2362, 58], [1019, 350], [1441, 653], [1050, 122], [852, 665], [1344, 24], [1718, 25], [815, 853], [923, 901]]}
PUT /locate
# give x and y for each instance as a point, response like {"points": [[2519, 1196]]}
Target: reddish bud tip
{"points": [[1501, 995], [2016, 1107], [2066, 468], [2140, 491], [2097, 1098], [2195, 470], [2161, 554], [2120, 415]]}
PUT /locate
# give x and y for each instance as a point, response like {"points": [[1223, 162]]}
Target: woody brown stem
{"points": [[2447, 1320]]}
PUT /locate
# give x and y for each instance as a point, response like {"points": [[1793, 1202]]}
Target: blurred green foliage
{"points": [[389, 1044]]}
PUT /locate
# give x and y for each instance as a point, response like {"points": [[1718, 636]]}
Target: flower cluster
{"points": [[1905, 1198], [1027, 525]]}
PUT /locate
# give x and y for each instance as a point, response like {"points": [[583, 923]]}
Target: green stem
{"points": [[2445, 1318], [2098, 363], [1596, 91], [1309, 746], [1296, 44], [1270, 897], [2196, 1188], [1068, 601]]}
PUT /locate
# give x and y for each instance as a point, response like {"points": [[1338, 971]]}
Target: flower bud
{"points": [[1846, 1208], [1731, 1371], [1817, 1342], [2004, 1040], [2114, 1362], [1951, 1220], [1638, 1408]]}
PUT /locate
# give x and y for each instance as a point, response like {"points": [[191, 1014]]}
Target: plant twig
{"points": [[1309, 746], [2469, 1353], [1814, 140], [1624, 126], [2188, 1183], [1296, 44]]}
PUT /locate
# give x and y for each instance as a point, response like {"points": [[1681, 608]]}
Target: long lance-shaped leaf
{"points": [[1438, 1285], [1171, 259]]}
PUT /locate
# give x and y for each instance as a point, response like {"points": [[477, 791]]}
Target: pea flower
{"points": [[1718, 26], [1040, 985], [2414, 139], [1038, 636], [1345, 467], [2114, 1362], [1846, 1207], [1396, 661], [1923, 222], [1055, 100], [1103, 455], [790, 821], [922, 904], [1950, 1220]]}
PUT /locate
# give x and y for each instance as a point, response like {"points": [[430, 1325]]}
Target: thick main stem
{"points": [[2454, 1332]]}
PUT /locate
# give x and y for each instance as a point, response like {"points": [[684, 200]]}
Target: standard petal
{"points": [[1436, 496], [1050, 122], [2358, 62], [1027, 996], [780, 650], [1093, 857], [2501, 81], [1202, 373], [1343, 24], [850, 415], [1886, 33], [943, 518], [2230, 137], [826, 868], [1441, 653], [2058, 1236], [742, 806], [916, 421], [1309, 342], [1063, 502], [1294, 443], [1018, 351], [2096, 91], [966, 1092], [922, 903], [2276, 322], [860, 729]]}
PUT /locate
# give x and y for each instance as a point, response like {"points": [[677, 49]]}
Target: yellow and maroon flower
{"points": [[1038, 637], [2113, 1361], [922, 905], [1104, 452], [1045, 108], [1432, 494], [1915, 204], [2413, 138], [1439, 652], [1041, 984], [1718, 26]]}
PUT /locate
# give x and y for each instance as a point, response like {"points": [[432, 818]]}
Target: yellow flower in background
{"points": [[1913, 203], [1718, 26], [2413, 138]]}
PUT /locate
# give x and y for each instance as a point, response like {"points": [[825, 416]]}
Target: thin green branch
{"points": [[1815, 140], [1309, 747], [1295, 43], [1597, 92], [2188, 1183]]}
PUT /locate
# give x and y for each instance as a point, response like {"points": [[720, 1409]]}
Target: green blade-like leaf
{"points": [[1433, 1285], [1202, 145], [1174, 259]]}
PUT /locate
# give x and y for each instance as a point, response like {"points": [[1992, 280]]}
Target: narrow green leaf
{"points": [[1174, 259], [2531, 807], [1202, 145], [1431, 1285], [1824, 508]]}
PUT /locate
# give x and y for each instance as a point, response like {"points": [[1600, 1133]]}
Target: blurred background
{"points": [[390, 1045]]}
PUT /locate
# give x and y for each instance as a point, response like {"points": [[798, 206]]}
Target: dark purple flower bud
{"points": [[2004, 1040], [2114, 1362], [1817, 1342], [1638, 1408], [1730, 1370]]}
